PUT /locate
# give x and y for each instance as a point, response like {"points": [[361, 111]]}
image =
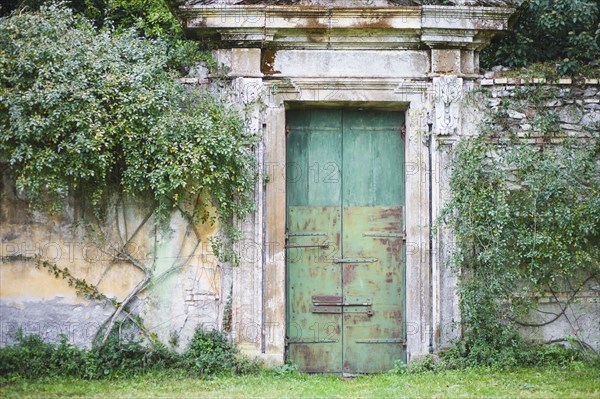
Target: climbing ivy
{"points": [[526, 221]]}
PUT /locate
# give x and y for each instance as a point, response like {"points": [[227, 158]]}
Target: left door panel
{"points": [[314, 219]]}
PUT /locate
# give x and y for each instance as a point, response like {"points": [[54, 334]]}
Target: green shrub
{"points": [[31, 357], [428, 364], [526, 223], [127, 353], [209, 352], [28, 358], [471, 353], [286, 369]]}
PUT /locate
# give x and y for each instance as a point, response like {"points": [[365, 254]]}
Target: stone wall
{"points": [[194, 288], [421, 61], [577, 104]]}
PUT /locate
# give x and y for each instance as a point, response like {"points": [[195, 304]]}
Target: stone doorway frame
{"points": [[409, 98]]}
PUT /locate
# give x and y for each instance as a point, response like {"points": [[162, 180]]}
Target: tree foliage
{"points": [[147, 18], [151, 18], [563, 31], [89, 110]]}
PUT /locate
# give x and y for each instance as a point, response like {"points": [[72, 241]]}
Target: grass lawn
{"points": [[573, 382]]}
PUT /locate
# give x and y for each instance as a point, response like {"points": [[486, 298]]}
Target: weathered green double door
{"points": [[345, 280]]}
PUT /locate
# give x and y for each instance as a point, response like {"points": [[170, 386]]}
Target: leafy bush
{"points": [[286, 369], [462, 356], [527, 220], [428, 364], [151, 18], [31, 357], [563, 31], [89, 110], [209, 352], [127, 353]]}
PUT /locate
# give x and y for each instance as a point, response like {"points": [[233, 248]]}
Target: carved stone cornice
{"points": [[288, 26]]}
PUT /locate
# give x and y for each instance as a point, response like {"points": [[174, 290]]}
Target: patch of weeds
{"points": [[286, 369], [469, 354]]}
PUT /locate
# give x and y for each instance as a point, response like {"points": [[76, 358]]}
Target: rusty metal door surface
{"points": [[345, 230]]}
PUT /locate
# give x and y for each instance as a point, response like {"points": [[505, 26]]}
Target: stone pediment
{"points": [[343, 24]]}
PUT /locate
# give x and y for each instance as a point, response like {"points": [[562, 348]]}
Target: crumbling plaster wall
{"points": [[188, 286]]}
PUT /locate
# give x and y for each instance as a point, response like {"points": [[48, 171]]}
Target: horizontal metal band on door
{"points": [[327, 309], [337, 305], [374, 128], [381, 341], [306, 234], [313, 341], [310, 129], [343, 309], [330, 300], [325, 245], [355, 260], [384, 235]]}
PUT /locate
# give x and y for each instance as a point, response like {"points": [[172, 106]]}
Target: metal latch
{"points": [[337, 304]]}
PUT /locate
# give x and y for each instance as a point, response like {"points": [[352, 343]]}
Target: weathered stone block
{"points": [[468, 64], [590, 92], [446, 61], [591, 119], [571, 115], [515, 114], [245, 62]]}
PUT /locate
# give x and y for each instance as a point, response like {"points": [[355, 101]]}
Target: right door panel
{"points": [[372, 240]]}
